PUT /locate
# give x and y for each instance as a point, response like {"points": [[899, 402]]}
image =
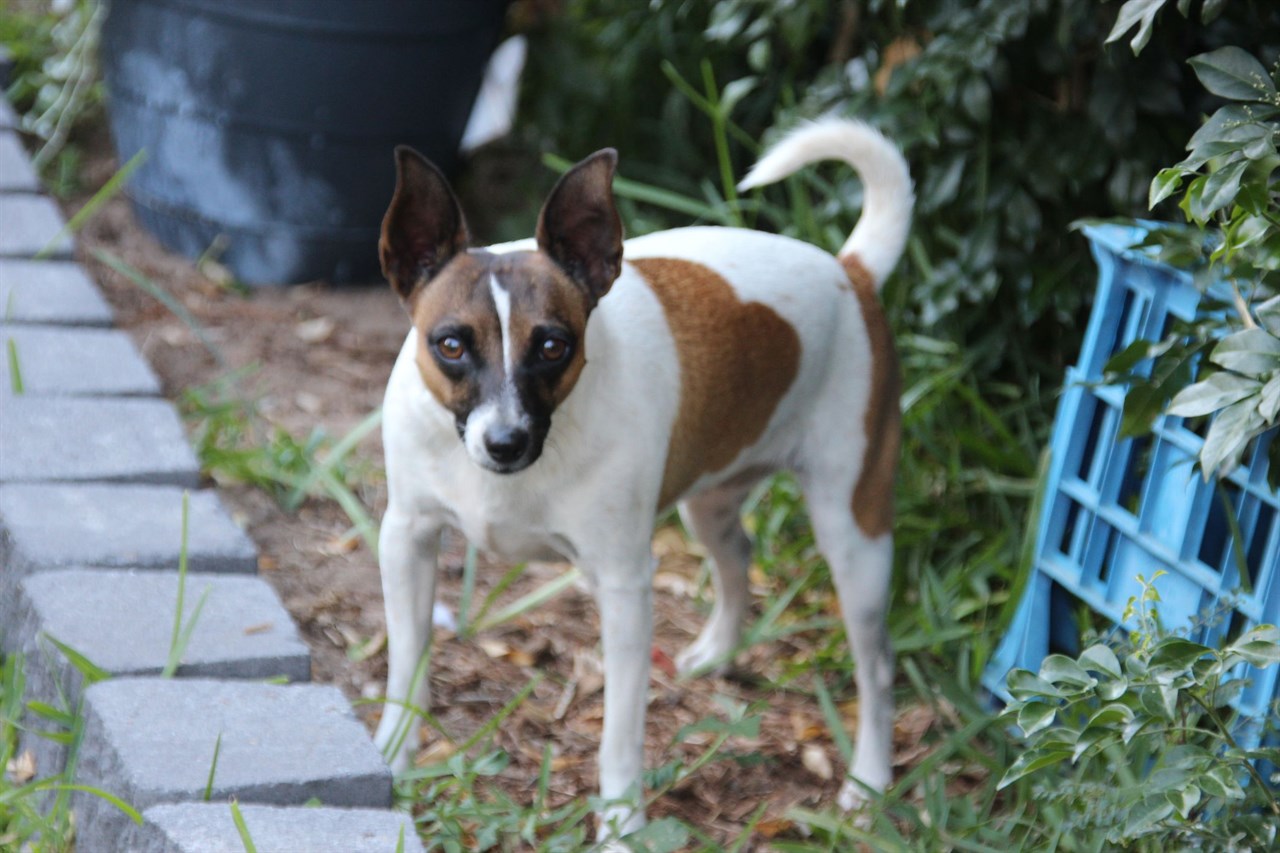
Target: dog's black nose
{"points": [[506, 444]]}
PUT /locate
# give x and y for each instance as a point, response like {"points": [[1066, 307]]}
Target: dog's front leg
{"points": [[407, 546], [626, 630]]}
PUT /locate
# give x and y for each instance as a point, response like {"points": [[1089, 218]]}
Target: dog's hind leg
{"points": [[715, 519], [861, 566]]}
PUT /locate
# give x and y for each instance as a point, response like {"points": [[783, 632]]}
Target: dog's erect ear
{"points": [[423, 227], [579, 225]]}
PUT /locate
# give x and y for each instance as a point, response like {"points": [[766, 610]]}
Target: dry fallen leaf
{"points": [[676, 584], [493, 648], [774, 826], [310, 403], [341, 545], [804, 729], [314, 331], [435, 752], [816, 761], [21, 769], [260, 628], [520, 657], [663, 662]]}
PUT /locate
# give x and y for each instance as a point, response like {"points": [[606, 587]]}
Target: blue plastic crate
{"points": [[1115, 508]]}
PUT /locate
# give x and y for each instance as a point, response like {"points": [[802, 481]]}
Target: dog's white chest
{"points": [[501, 517], [514, 542]]}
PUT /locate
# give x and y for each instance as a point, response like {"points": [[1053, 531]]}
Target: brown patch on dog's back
{"points": [[737, 360], [873, 493]]}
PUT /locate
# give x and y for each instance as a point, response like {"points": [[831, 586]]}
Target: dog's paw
{"points": [[707, 655], [614, 823], [856, 793], [396, 744]]}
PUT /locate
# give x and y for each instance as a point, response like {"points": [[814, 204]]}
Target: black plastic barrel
{"points": [[272, 122]]}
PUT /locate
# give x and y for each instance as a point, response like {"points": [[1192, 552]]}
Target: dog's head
{"points": [[501, 336]]}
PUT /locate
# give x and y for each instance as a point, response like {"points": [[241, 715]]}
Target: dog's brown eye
{"points": [[450, 348], [554, 349]]}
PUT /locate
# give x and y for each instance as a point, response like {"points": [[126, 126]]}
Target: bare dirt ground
{"points": [[324, 354]]}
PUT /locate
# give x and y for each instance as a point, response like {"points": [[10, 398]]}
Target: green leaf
{"points": [[1175, 654], [1229, 434], [747, 727], [1269, 399], [1221, 188], [1259, 646], [1029, 762], [1060, 669], [1218, 781], [1145, 815], [1165, 184], [735, 91], [1024, 684], [1216, 392], [1100, 658], [664, 835], [1233, 73], [1129, 357], [1232, 123], [1211, 9], [1253, 352], [1268, 314], [1139, 13], [1089, 739], [1034, 716], [1108, 715]]}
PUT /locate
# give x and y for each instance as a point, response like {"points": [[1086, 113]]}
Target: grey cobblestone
{"points": [[64, 534], [28, 224], [139, 441], [74, 362], [209, 828], [16, 174], [49, 525], [122, 621], [152, 741], [49, 292]]}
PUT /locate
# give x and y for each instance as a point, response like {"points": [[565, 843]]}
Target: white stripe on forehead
{"points": [[502, 302]]}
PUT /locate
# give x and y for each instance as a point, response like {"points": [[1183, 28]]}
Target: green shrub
{"points": [[1015, 117], [1148, 740]]}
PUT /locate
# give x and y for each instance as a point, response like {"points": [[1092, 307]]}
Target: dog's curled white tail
{"points": [[881, 233]]}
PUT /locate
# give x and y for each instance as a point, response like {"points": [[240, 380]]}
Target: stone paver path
{"points": [[93, 465]]}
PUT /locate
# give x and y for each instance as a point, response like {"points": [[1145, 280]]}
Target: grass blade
{"points": [[334, 457], [101, 197], [213, 768], [637, 191], [508, 709], [55, 785], [89, 671], [245, 838], [468, 591], [15, 368], [544, 593], [500, 587], [164, 298], [176, 646], [835, 723]]}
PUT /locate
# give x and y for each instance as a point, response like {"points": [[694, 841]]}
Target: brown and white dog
{"points": [[555, 394]]}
